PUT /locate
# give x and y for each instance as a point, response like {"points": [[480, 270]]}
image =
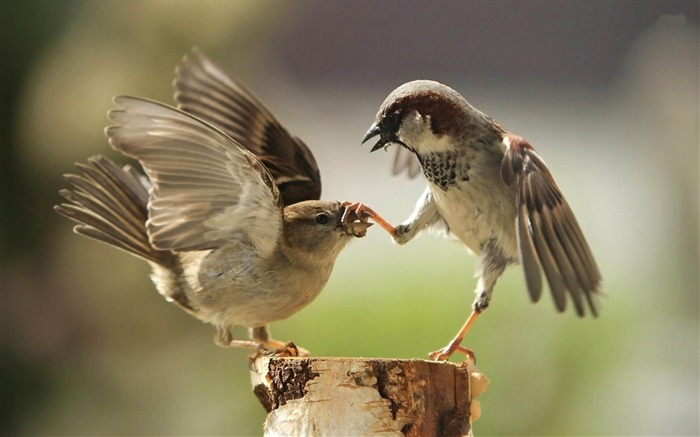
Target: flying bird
{"points": [[489, 189], [229, 217]]}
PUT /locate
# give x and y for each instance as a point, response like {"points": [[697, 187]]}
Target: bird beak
{"points": [[373, 131], [358, 228]]}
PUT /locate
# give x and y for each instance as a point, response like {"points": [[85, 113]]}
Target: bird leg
{"points": [[455, 344], [492, 263], [363, 212], [266, 345], [224, 338], [424, 214], [262, 343]]}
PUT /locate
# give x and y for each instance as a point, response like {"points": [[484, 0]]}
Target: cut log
{"points": [[366, 396]]}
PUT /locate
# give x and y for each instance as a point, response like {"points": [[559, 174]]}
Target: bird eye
{"points": [[392, 120], [322, 218]]}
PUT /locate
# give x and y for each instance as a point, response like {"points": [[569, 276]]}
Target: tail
{"points": [[109, 203]]}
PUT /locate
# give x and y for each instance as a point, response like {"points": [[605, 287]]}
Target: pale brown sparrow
{"points": [[233, 238], [489, 189]]}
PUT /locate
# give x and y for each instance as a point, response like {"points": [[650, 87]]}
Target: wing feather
{"points": [[549, 237], [528, 256], [206, 91], [206, 189], [549, 264]]}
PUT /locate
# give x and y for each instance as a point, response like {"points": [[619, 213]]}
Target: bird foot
{"points": [[274, 348], [363, 212], [355, 219], [446, 352]]}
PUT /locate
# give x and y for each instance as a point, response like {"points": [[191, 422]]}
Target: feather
{"points": [[203, 89], [110, 206], [207, 189], [548, 235]]}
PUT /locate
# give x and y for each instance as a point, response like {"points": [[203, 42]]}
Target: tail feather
{"points": [[94, 225], [110, 203]]}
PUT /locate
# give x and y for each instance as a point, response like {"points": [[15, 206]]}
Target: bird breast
{"points": [[230, 286], [473, 200]]}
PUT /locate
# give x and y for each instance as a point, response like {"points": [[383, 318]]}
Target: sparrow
{"points": [[234, 231], [489, 189]]}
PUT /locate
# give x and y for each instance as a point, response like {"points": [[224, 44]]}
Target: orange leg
{"points": [[363, 211], [277, 348], [281, 349], [455, 344], [261, 343]]}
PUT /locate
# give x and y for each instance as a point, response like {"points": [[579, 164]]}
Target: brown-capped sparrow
{"points": [[489, 189]]}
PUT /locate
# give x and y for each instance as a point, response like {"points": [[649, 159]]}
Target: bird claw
{"points": [[446, 352], [402, 234], [355, 211], [283, 350], [363, 212], [355, 219], [440, 355]]}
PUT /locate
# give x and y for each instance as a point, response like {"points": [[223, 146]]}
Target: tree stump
{"points": [[366, 396]]}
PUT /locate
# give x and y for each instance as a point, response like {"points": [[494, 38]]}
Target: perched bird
{"points": [[489, 189], [233, 238]]}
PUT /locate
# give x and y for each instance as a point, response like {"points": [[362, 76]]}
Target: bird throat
{"points": [[445, 169]]}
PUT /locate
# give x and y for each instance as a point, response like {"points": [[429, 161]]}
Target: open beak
{"points": [[373, 131]]}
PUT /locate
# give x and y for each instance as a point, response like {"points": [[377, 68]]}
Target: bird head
{"points": [[425, 116], [321, 229]]}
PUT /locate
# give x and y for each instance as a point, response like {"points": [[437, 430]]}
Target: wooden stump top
{"points": [[366, 396]]}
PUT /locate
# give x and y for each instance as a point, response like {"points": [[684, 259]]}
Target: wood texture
{"points": [[369, 397]]}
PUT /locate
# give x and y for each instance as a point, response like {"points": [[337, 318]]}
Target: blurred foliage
{"points": [[607, 91], [22, 44]]}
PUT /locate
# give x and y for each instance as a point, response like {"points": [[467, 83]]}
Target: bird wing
{"points": [[405, 160], [207, 190], [203, 89], [549, 237]]}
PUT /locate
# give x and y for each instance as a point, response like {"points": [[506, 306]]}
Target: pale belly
{"points": [[233, 289], [271, 297], [475, 214]]}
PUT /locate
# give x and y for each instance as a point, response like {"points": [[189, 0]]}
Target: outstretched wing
{"points": [[549, 236], [207, 190], [206, 91]]}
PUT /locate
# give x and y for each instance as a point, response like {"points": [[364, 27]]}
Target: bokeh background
{"points": [[606, 90]]}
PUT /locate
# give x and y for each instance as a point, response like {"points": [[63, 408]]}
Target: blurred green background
{"points": [[606, 91]]}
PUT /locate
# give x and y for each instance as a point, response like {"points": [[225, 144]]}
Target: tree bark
{"points": [[368, 397]]}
